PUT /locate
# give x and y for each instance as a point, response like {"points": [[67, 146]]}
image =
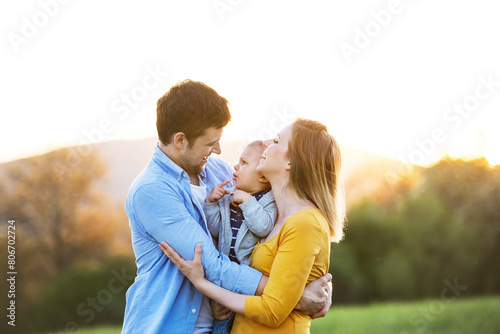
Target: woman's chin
{"points": [[260, 166]]}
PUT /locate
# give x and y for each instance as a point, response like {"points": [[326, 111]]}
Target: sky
{"points": [[408, 80]]}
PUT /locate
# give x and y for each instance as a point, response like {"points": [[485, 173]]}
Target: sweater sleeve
{"points": [[213, 215], [299, 244], [259, 218]]}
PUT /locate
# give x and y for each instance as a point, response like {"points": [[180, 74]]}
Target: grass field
{"points": [[461, 316]]}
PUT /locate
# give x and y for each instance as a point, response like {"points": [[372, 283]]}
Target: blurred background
{"points": [[410, 89]]}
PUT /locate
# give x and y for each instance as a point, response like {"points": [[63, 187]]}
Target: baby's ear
{"points": [[262, 179]]}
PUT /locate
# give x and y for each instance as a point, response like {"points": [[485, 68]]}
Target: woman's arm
{"points": [[193, 270], [293, 264], [302, 238], [314, 300]]}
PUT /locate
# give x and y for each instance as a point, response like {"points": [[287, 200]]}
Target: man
{"points": [[165, 204]]}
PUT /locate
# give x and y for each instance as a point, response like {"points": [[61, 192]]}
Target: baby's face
{"points": [[245, 176]]}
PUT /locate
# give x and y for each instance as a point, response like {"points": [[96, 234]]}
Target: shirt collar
{"points": [[258, 195], [171, 167]]}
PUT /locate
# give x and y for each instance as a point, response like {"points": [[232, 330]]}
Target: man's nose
{"points": [[216, 149]]}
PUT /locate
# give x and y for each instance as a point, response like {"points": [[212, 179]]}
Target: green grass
{"points": [[461, 316], [477, 315], [98, 330]]}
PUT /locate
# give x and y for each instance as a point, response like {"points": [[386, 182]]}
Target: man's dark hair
{"points": [[190, 107]]}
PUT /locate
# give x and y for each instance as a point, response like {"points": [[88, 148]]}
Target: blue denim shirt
{"points": [[160, 207]]}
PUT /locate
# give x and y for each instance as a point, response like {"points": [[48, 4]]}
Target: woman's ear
{"points": [[288, 167], [179, 140]]}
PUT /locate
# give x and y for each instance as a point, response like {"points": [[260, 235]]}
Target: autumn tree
{"points": [[61, 219]]}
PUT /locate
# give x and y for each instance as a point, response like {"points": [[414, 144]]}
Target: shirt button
{"points": [[239, 214], [193, 310]]}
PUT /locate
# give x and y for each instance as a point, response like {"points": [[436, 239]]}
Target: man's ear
{"points": [[179, 140]]}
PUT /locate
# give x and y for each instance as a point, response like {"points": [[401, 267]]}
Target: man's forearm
{"points": [[262, 285]]}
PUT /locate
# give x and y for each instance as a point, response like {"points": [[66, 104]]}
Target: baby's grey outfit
{"points": [[259, 218]]}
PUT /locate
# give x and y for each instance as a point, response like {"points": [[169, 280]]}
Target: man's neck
{"points": [[194, 180], [168, 151]]}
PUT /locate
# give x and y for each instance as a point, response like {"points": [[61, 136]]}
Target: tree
{"points": [[61, 220], [442, 224], [471, 193]]}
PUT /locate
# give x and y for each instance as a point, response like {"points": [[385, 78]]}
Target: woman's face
{"points": [[275, 158]]}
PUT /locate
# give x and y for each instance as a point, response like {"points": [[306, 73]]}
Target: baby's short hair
{"points": [[259, 144]]}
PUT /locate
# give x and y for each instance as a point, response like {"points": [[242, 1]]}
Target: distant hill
{"points": [[363, 172]]}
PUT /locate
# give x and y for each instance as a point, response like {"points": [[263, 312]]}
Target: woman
{"points": [[303, 165]]}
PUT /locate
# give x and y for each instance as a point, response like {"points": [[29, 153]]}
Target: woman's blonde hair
{"points": [[315, 172]]}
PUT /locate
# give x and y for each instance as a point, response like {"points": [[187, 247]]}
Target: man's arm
{"points": [[164, 216], [195, 273]]}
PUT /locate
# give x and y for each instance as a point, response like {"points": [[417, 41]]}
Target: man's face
{"points": [[194, 157]]}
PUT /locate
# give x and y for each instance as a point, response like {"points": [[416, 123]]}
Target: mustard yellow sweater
{"points": [[298, 254]]}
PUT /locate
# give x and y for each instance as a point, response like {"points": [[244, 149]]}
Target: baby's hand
{"points": [[217, 192], [239, 197]]}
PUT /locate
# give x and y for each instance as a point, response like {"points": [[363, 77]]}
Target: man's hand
{"points": [[328, 303], [219, 312], [239, 197], [316, 298], [217, 192]]}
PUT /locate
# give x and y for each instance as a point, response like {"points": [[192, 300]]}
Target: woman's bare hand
{"points": [[193, 270]]}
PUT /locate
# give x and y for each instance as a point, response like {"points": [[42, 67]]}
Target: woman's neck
{"points": [[286, 201]]}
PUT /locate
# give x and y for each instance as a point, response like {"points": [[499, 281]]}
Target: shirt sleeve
{"points": [[164, 216], [299, 245]]}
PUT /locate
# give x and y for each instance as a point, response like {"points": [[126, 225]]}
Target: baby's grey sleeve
{"points": [[260, 216], [214, 218]]}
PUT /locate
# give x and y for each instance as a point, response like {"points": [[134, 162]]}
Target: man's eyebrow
{"points": [[214, 141]]}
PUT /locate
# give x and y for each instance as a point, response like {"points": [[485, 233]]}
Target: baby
{"points": [[241, 220]]}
